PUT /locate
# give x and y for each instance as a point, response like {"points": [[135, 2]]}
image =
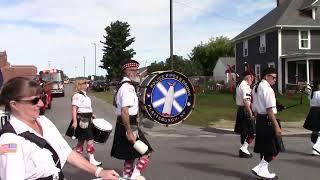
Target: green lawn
{"points": [[211, 108]]}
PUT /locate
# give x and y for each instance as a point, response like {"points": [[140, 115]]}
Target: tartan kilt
{"points": [[122, 147], [244, 125], [312, 121], [266, 141]]}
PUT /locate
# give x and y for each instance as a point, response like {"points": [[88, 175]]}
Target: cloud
{"points": [[62, 32]]}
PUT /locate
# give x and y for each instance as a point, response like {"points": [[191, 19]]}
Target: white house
{"points": [[224, 69]]}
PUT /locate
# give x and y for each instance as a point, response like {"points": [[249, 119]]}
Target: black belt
{"points": [[132, 118], [85, 115]]}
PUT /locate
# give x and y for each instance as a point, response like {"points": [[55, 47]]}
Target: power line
{"points": [[205, 11]]}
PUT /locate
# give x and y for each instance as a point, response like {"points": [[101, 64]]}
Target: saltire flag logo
{"points": [[169, 98]]}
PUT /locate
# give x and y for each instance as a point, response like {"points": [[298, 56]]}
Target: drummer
{"points": [[81, 119], [127, 131]]}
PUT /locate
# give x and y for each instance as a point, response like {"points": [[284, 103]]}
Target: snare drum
{"points": [[101, 130]]}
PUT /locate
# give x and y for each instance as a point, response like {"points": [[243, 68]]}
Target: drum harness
{"points": [[42, 143], [83, 119]]}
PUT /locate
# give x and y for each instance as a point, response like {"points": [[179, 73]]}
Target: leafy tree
{"points": [[180, 64], [115, 49], [161, 66], [207, 54]]}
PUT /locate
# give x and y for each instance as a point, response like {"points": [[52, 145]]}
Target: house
{"points": [[224, 69], [288, 39], [9, 71]]}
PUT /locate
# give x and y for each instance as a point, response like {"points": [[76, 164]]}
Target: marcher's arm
{"points": [[79, 161], [273, 119], [74, 116], [247, 107], [126, 122]]}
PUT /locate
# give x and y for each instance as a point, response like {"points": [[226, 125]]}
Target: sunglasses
{"points": [[273, 77], [33, 101]]}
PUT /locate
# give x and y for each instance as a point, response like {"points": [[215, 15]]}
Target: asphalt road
{"points": [[184, 152]]}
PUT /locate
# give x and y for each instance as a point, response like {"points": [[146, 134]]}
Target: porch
{"points": [[299, 70]]}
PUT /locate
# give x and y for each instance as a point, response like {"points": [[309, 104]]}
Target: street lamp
{"points": [[75, 70], [84, 66], [49, 63], [95, 59]]}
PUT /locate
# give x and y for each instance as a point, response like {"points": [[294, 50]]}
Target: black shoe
{"points": [[275, 178], [244, 155]]}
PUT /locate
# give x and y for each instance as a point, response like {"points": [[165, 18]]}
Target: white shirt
{"points": [[127, 97], [83, 102], [264, 98], [243, 91], [315, 101], [30, 161]]}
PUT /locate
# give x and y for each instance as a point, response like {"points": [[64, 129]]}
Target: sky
{"points": [[62, 33]]}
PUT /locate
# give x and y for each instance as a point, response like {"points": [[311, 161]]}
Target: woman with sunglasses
{"points": [[268, 130], [31, 145], [81, 124]]}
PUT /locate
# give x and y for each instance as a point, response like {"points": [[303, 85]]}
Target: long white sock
{"points": [[93, 160], [244, 148]]}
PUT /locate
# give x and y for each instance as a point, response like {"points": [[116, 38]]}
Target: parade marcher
{"points": [[245, 119], [81, 123], [31, 145], [312, 121], [268, 130], [127, 129]]}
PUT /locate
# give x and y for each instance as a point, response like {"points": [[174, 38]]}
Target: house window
{"points": [[257, 71], [271, 65], [304, 39], [262, 48], [245, 48]]}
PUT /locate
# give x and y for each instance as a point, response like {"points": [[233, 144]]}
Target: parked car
{"points": [[99, 85]]}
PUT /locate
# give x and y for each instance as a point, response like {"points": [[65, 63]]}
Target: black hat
{"points": [[130, 63], [248, 72], [269, 70]]}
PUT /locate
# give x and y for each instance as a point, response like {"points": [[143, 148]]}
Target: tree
{"points": [[180, 64], [207, 54], [115, 49]]}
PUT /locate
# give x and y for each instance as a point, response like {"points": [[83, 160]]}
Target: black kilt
{"points": [[121, 147], [80, 133], [312, 121], [266, 141], [244, 125]]}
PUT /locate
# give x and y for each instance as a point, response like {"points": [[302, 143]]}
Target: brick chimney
{"points": [[279, 2]]}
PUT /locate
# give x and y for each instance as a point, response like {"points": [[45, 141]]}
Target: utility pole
{"points": [[49, 64], [75, 70], [171, 36], [84, 66], [95, 59]]}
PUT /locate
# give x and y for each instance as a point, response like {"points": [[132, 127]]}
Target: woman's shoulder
{"points": [[10, 138], [46, 121]]}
